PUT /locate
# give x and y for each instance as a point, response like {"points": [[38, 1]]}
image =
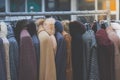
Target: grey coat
{"points": [[13, 54], [90, 64]]}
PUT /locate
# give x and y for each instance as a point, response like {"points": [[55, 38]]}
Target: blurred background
{"points": [[63, 5]]}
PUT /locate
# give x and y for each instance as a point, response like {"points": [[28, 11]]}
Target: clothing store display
{"points": [[60, 58], [47, 70], [2, 62], [76, 32], [13, 53], [49, 49], [28, 63], [105, 56], [3, 36]]}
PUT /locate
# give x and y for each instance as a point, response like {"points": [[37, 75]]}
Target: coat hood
{"points": [[38, 23], [31, 27], [3, 30], [58, 26], [115, 26], [102, 38], [27, 24], [19, 26], [65, 24], [76, 28], [49, 25]]}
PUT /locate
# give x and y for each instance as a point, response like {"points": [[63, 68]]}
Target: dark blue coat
{"points": [[60, 58]]}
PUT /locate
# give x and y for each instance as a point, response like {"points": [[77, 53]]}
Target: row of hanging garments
{"points": [[38, 50], [49, 49]]}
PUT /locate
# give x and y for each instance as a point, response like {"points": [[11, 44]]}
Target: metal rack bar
{"points": [[53, 13]]}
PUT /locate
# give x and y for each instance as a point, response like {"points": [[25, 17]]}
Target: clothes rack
{"points": [[56, 13], [53, 13]]}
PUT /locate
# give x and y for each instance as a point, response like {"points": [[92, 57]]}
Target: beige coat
{"points": [[3, 35], [47, 58], [115, 39], [50, 28], [67, 38]]}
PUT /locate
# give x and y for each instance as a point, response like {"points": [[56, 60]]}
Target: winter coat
{"points": [[105, 55], [69, 73], [13, 53], [3, 75], [60, 58], [77, 29], [90, 60], [47, 70], [3, 36], [28, 61]]}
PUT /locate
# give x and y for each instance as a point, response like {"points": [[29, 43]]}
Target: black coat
{"points": [[76, 31]]}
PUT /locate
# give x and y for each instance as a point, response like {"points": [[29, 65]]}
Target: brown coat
{"points": [[67, 38], [115, 39], [47, 58]]}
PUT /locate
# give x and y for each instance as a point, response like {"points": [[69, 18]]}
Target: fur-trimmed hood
{"points": [[49, 26], [3, 30], [65, 24]]}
